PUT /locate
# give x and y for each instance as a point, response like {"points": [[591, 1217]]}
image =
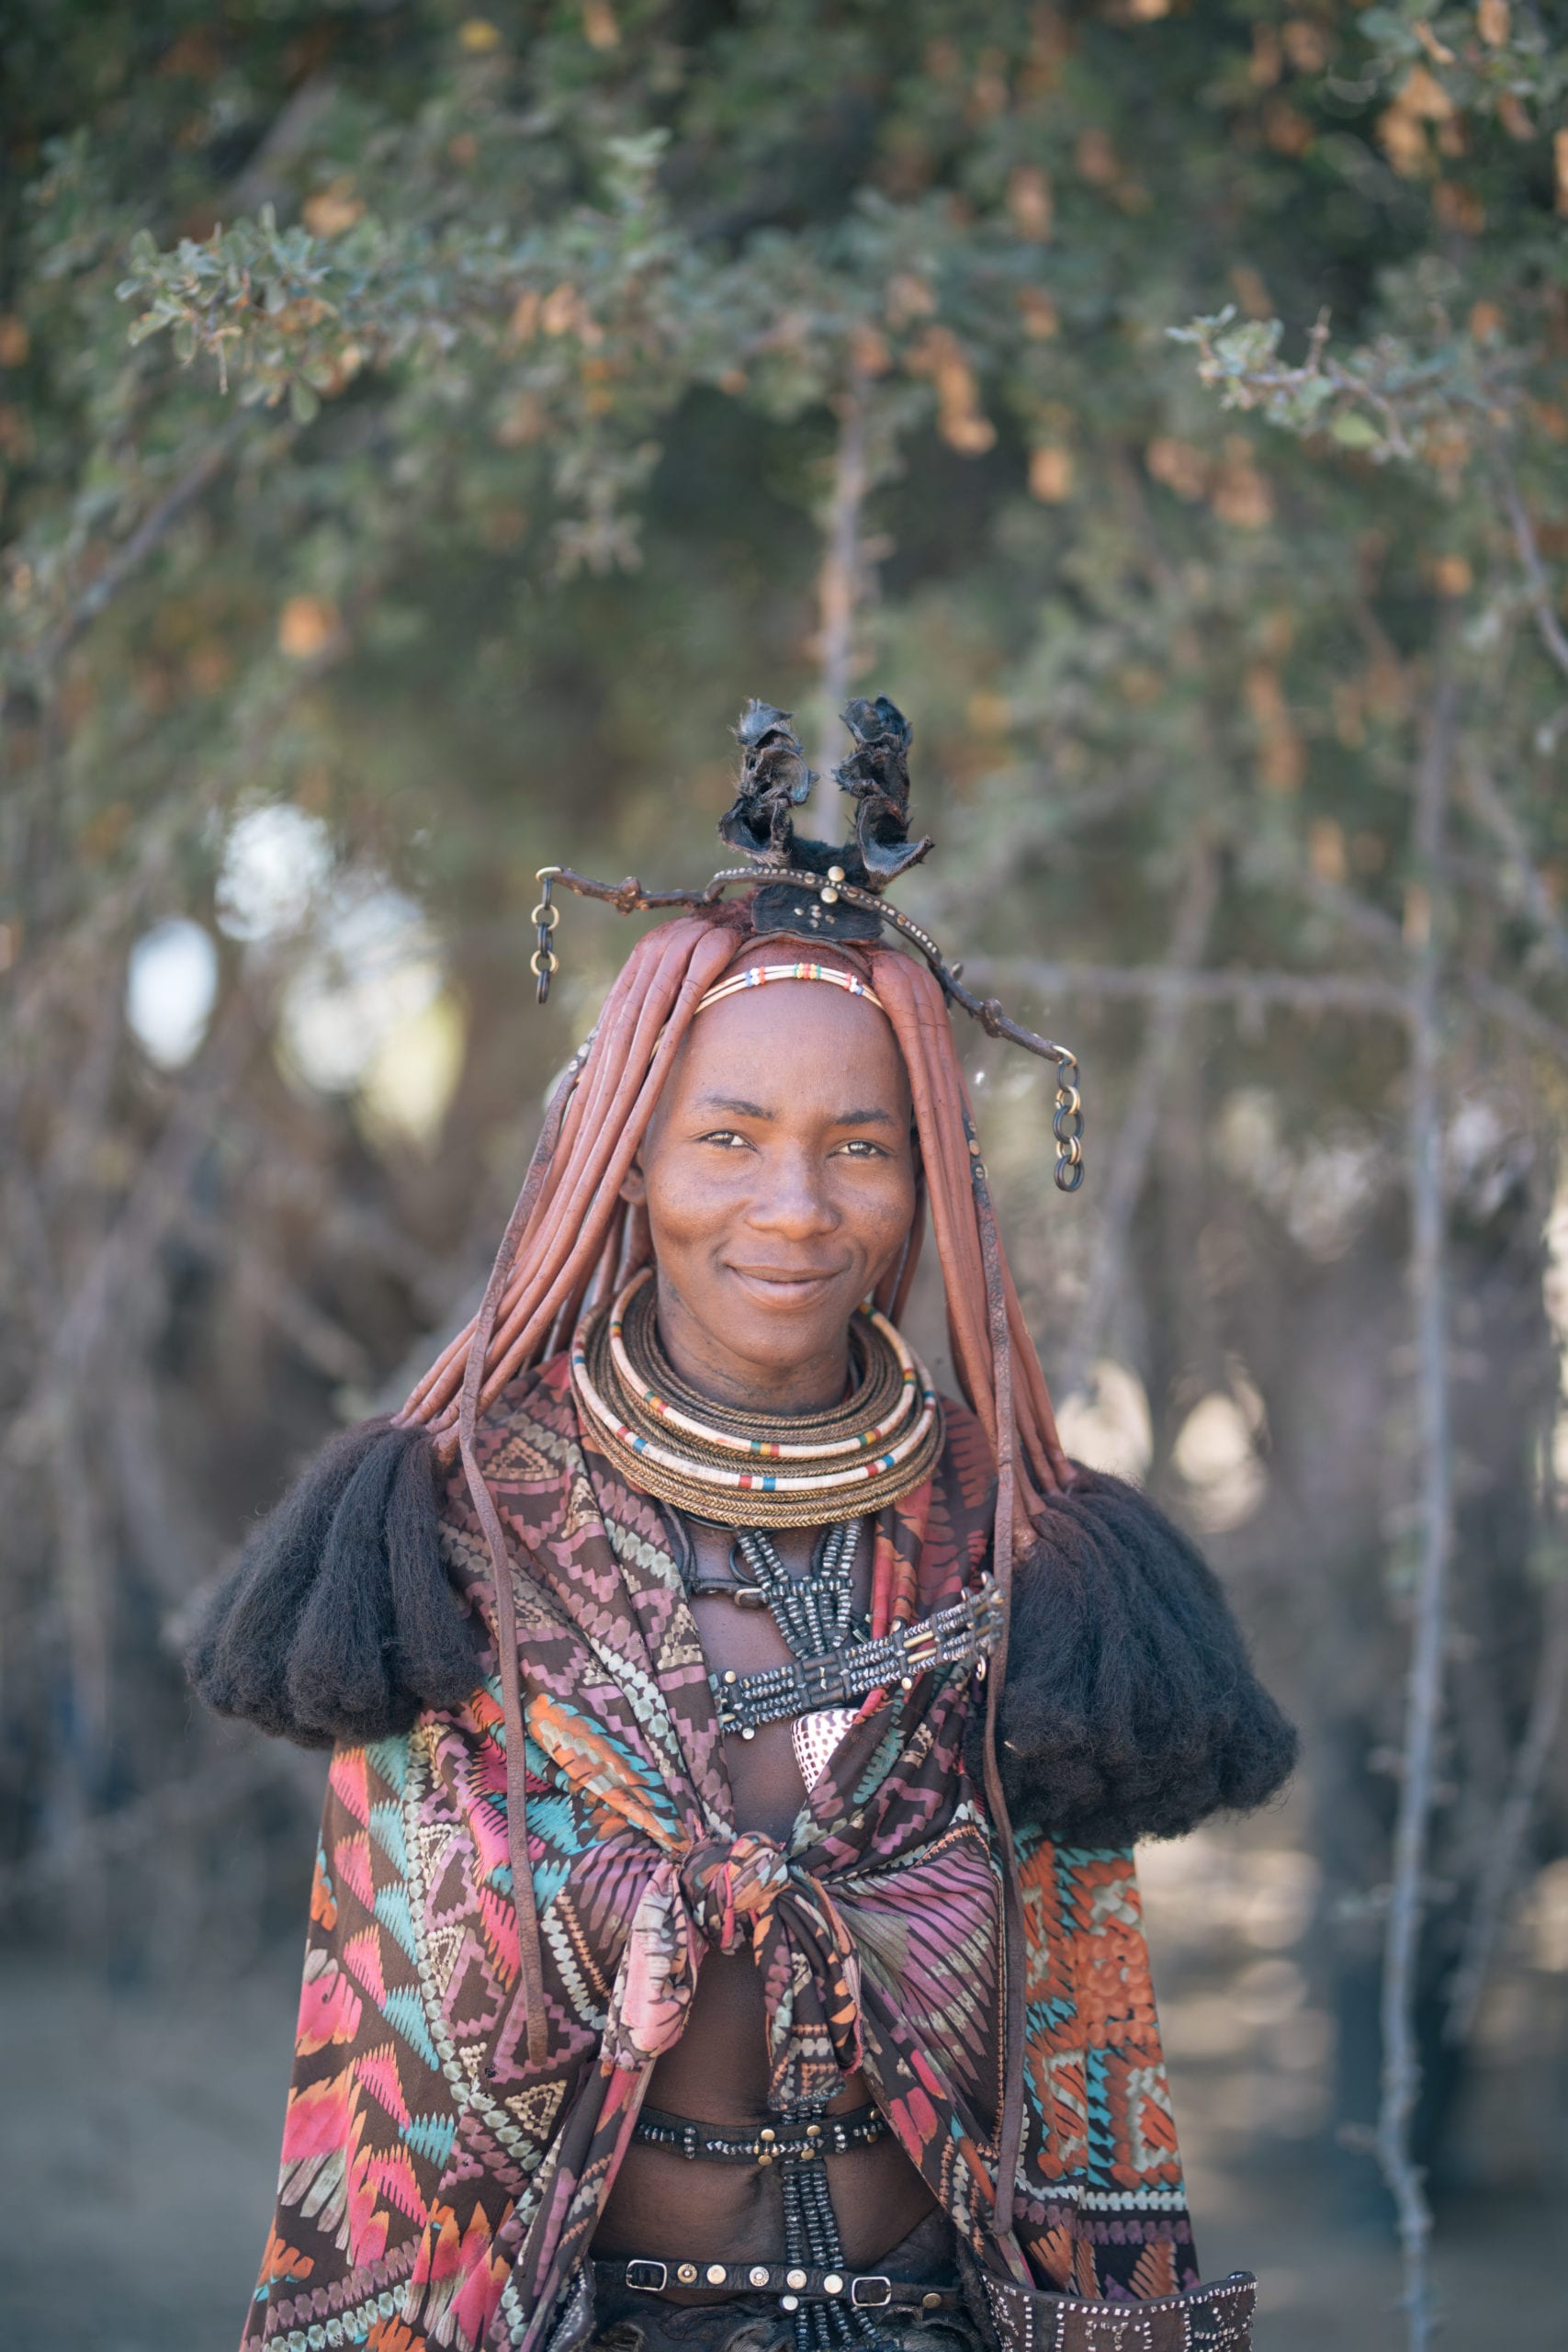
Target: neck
{"points": [[813, 1386]]}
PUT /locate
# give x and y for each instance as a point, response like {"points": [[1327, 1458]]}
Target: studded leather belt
{"points": [[793, 2283], [781, 2142]]}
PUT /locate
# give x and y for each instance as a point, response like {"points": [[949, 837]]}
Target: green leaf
{"points": [[1354, 431]]}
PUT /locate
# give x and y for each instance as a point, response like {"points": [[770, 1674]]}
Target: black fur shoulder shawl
{"points": [[1130, 1708], [340, 1622]]}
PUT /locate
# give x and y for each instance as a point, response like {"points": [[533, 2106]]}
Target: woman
{"points": [[676, 1973]]}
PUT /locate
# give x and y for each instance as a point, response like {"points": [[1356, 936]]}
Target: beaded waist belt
{"points": [[1215, 2318], [786, 2140], [794, 2283], [965, 1630]]}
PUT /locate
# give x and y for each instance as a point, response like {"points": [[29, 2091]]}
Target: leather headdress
{"points": [[827, 896]]}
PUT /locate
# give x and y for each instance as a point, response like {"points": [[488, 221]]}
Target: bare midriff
{"points": [[663, 2204]]}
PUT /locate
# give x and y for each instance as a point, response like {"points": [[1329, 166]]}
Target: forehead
{"points": [[797, 1039]]}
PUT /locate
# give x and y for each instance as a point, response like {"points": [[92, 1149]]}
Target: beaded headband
{"points": [[807, 890], [757, 976]]}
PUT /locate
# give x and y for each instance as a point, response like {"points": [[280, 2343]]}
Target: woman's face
{"points": [[779, 1176]]}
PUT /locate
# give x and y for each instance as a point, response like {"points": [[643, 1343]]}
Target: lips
{"points": [[793, 1285]]}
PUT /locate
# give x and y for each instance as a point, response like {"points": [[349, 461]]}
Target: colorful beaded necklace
{"points": [[716, 1463]]}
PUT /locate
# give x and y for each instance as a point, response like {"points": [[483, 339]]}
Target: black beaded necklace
{"points": [[814, 1612]]}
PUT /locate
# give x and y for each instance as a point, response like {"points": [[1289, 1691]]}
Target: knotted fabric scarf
{"points": [[440, 2188], [743, 1894]]}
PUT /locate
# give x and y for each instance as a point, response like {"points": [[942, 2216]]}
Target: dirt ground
{"points": [[138, 2135]]}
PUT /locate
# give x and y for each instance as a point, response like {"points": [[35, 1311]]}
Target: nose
{"points": [[793, 1201]]}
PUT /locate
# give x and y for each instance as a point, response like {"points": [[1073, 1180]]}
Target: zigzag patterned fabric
{"points": [[436, 2189]]}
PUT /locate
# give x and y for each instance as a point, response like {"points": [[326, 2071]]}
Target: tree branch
{"points": [[1251, 991], [1356, 915], [133, 552], [1537, 582], [160, 1188], [1487, 801], [1504, 1004], [265, 175], [1516, 1012], [1040, 820]]}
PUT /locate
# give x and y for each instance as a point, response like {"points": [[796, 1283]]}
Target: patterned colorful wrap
{"points": [[436, 2189]]}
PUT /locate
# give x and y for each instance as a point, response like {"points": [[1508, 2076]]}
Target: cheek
{"points": [[687, 1205], [882, 1214]]}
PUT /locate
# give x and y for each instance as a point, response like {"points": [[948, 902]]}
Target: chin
{"points": [[784, 1331]]}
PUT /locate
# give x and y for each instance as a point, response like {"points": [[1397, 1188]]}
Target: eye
{"points": [[861, 1147], [726, 1139]]}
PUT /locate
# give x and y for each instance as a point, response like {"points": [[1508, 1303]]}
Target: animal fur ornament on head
{"points": [[1127, 1706]]}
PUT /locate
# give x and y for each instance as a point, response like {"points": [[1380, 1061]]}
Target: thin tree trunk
{"points": [[840, 581], [1424, 1690], [1128, 1160], [1505, 1848]]}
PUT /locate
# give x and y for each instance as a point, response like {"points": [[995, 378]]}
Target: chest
{"points": [[765, 1773]]}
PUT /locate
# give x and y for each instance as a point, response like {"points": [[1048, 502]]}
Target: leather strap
{"points": [[794, 2283], [744, 1595], [1010, 2122]]}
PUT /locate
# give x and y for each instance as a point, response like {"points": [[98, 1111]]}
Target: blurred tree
{"points": [[422, 428]]}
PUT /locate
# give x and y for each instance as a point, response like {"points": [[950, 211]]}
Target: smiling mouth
{"points": [[781, 1282]]}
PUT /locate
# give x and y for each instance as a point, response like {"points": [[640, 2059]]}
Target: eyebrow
{"points": [[733, 1102], [868, 1116]]}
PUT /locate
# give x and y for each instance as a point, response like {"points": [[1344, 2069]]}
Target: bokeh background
{"points": [[422, 429]]}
